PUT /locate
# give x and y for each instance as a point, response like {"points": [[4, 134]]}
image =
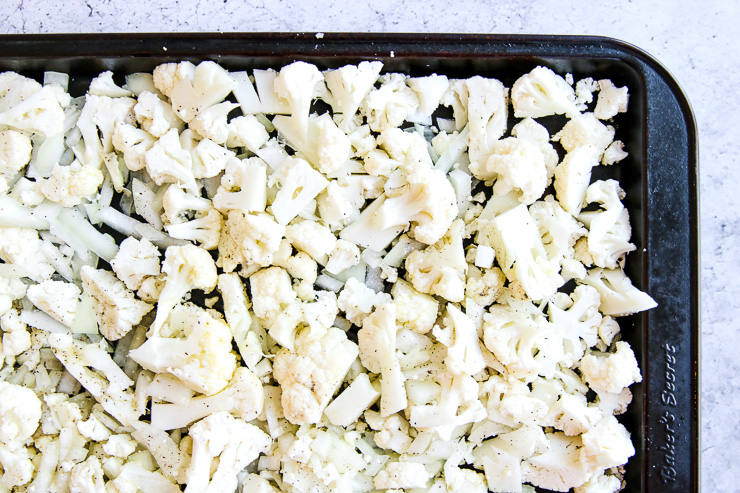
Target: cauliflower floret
{"points": [[299, 185], [133, 143], [243, 186], [542, 93], [20, 413], [348, 86], [618, 296], [357, 300], [210, 159], [609, 230], [23, 247], [211, 123], [167, 162], [233, 441], [59, 299], [313, 372], [401, 474], [17, 467], [460, 336], [429, 90], [415, 310], [390, 104], [15, 151], [154, 115], [614, 153], [516, 164], [26, 105], [117, 309], [104, 85], [344, 255], [573, 415], [484, 287], [573, 175], [271, 293], [530, 130], [318, 315], [11, 289], [440, 269], [68, 185], [136, 260], [585, 129], [611, 372], [120, 446], [560, 467], [377, 344], [577, 319], [301, 267], [192, 91], [97, 123], [600, 484], [607, 444], [87, 476], [204, 229], [424, 197], [200, 356], [248, 238], [559, 230], [168, 75], [486, 117], [247, 131], [16, 338], [311, 237], [612, 100], [187, 267], [297, 83]]}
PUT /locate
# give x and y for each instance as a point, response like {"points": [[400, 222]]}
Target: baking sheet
{"points": [[660, 178]]}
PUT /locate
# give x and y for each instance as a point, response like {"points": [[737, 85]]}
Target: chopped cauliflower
{"points": [[59, 299], [611, 372]]}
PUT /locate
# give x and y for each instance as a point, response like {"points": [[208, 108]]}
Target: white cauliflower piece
{"points": [[377, 343], [486, 117], [104, 85], [15, 151], [348, 86], [167, 162], [243, 186], [17, 467], [402, 474], [97, 123], [344, 255], [211, 123], [311, 237], [271, 292], [611, 372], [560, 468], [299, 185], [577, 319], [484, 287], [618, 296], [249, 238], [516, 164], [247, 131], [356, 300], [573, 175], [16, 337], [187, 267], [200, 355], [390, 104], [11, 289], [23, 247], [460, 336], [415, 310], [233, 441], [609, 230], [133, 143], [559, 230], [191, 91], [542, 92], [120, 446], [607, 444], [20, 413], [27, 106], [87, 476], [612, 100], [520, 252], [58, 299], [312, 373], [440, 269], [297, 83], [614, 153], [210, 159], [135, 261], [68, 185], [529, 129], [585, 129], [116, 307], [319, 315], [573, 415], [154, 115], [429, 90]]}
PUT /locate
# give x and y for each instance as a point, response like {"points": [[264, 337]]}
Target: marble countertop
{"points": [[694, 43]]}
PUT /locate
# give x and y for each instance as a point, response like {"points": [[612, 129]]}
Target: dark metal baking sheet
{"points": [[660, 177]]}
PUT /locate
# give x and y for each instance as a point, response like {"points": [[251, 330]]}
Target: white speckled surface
{"points": [[695, 43]]}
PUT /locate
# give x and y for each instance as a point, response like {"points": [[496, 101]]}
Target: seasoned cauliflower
{"points": [[59, 299], [611, 372]]}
